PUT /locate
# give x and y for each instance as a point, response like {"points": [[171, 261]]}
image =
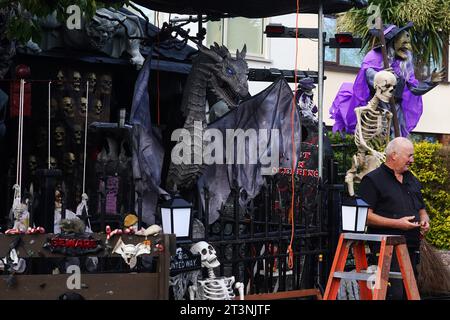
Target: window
{"points": [[235, 32], [340, 57]]}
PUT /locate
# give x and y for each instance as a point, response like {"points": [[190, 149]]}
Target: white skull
{"points": [[53, 163], [98, 107], [83, 105], [76, 80], [384, 84], [68, 107], [92, 78], [208, 254], [77, 131], [60, 77], [60, 135], [32, 163], [179, 253], [106, 84], [69, 161]]}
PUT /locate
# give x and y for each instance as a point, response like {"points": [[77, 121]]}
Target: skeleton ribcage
{"points": [[216, 289], [375, 128]]}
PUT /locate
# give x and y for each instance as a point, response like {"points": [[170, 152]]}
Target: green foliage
{"points": [[344, 148], [431, 20], [24, 24], [432, 166]]}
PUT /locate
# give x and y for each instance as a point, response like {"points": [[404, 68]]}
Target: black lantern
{"points": [[176, 216], [354, 215]]}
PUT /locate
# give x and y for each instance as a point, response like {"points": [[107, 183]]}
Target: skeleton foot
{"points": [[240, 287]]}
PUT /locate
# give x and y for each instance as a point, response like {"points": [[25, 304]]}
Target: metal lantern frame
{"points": [[174, 216], [354, 215]]}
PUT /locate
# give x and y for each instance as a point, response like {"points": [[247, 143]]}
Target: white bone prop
{"points": [[130, 252], [153, 230], [212, 288], [372, 131]]}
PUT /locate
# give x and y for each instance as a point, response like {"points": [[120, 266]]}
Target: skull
{"points": [[53, 163], [77, 131], [32, 164], [69, 161], [179, 253], [53, 107], [92, 78], [60, 77], [384, 84], [106, 84], [76, 78], [208, 254], [98, 107], [42, 137], [68, 107], [60, 135], [83, 105]]}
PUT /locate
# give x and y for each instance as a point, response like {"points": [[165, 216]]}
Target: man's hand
{"points": [[406, 224], [437, 76], [424, 227]]}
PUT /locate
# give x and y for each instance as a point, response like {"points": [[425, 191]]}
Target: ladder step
{"points": [[363, 276]]}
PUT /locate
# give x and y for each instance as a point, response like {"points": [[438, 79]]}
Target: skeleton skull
{"points": [[69, 161], [76, 78], [92, 78], [68, 107], [60, 77], [60, 135], [32, 164], [53, 107], [179, 253], [98, 107], [83, 105], [106, 84], [77, 132], [53, 163], [384, 84], [208, 254]]}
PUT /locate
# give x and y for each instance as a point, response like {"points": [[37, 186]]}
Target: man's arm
{"points": [[375, 220], [424, 221]]}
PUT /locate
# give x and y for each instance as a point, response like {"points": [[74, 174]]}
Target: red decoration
{"points": [[22, 72], [73, 243]]}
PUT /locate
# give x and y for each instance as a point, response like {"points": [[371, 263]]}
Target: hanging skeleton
{"points": [[372, 131], [212, 288]]}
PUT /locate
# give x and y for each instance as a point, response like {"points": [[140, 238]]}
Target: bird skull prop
{"points": [[78, 133], [32, 164], [207, 254], [92, 78], [76, 78], [60, 135], [83, 105], [68, 107], [384, 84], [106, 84], [98, 107]]}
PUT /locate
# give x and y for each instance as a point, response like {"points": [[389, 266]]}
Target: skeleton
{"points": [[92, 78], [372, 131], [76, 78], [78, 134], [69, 162], [83, 105], [98, 107], [68, 107], [32, 164], [106, 84], [212, 288], [60, 135]]}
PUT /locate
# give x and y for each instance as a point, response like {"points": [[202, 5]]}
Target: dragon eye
{"points": [[229, 71]]}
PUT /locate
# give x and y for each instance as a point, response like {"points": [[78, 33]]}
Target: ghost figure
{"points": [[304, 96], [69, 162], [92, 78], [83, 105], [98, 107], [106, 84], [60, 136], [76, 78], [212, 288], [78, 134], [32, 164], [60, 79], [68, 107]]}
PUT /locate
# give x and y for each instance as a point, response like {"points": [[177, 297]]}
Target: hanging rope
{"points": [[49, 121], [18, 186], [294, 106]]}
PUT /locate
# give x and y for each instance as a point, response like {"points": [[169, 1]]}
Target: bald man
{"points": [[396, 204]]}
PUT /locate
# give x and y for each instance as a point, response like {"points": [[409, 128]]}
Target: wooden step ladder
{"points": [[382, 275]]}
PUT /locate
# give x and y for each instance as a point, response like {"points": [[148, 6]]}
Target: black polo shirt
{"points": [[391, 199]]}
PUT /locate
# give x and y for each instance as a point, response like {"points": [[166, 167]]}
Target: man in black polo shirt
{"points": [[396, 204]]}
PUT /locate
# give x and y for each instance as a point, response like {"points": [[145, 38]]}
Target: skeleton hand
{"points": [[437, 76]]}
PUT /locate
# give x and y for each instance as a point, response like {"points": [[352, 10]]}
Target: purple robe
{"points": [[351, 96]]}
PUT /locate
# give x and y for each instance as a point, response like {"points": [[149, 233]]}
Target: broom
{"points": [[433, 275]]}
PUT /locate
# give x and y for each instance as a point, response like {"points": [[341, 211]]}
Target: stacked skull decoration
{"points": [[213, 288]]}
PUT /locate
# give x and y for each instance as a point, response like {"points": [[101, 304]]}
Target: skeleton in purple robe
{"points": [[408, 92]]}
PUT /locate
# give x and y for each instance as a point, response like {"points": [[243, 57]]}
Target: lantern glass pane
{"points": [[165, 215], [348, 218], [362, 216], [182, 218]]}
